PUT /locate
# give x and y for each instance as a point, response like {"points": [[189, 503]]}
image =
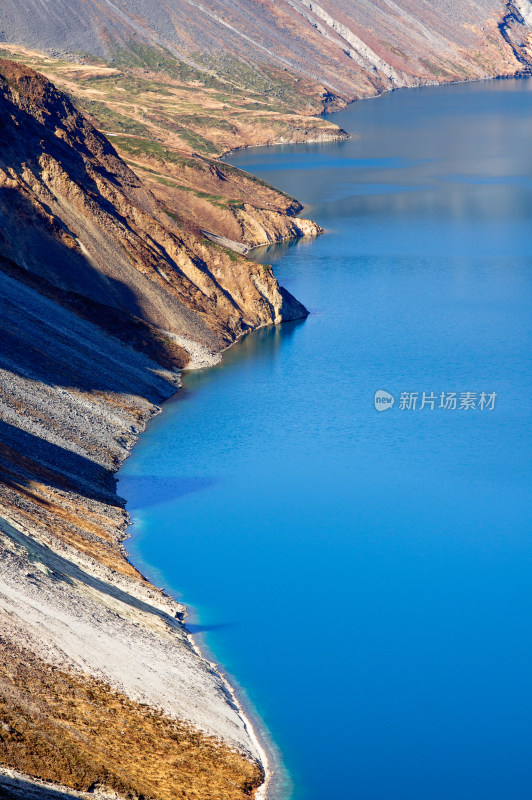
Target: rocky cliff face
{"points": [[352, 48], [228, 204], [73, 213]]}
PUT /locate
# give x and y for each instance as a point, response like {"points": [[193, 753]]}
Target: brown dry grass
{"points": [[78, 732]]}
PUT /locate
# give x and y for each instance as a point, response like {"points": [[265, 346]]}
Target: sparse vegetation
{"points": [[79, 732], [112, 120], [152, 149], [146, 91]]}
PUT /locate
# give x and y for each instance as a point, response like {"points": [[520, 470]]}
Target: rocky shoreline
{"points": [[102, 306]]}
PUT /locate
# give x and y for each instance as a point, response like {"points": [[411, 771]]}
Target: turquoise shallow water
{"points": [[367, 576]]}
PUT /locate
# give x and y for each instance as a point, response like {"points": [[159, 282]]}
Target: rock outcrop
{"points": [[233, 205]]}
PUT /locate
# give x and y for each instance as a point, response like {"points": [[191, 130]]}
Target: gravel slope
{"points": [[354, 47]]}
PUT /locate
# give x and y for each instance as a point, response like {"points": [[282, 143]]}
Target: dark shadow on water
{"points": [[262, 344], [150, 490], [145, 491], [215, 626], [274, 252]]}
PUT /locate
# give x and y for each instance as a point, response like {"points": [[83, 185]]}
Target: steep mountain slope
{"points": [[103, 296], [354, 48]]}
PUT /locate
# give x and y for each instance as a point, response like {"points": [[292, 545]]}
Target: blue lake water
{"points": [[368, 576]]}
